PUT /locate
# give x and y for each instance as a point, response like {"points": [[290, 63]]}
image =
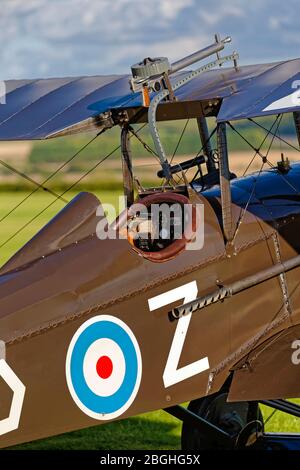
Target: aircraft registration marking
{"points": [[12, 380], [172, 374]]}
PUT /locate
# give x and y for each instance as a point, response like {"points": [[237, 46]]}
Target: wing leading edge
{"points": [[45, 108]]}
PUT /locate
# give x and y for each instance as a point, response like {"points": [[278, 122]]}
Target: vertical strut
{"points": [[296, 116], [127, 166], [225, 182], [206, 146]]}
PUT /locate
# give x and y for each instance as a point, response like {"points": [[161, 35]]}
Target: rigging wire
{"points": [[262, 156], [243, 210], [278, 137], [274, 167], [62, 194], [31, 180], [181, 178], [65, 191], [269, 417], [144, 144], [283, 177], [146, 164], [257, 150], [179, 141], [151, 151], [50, 177], [205, 143], [177, 180], [264, 160], [263, 141], [199, 152], [164, 184]]}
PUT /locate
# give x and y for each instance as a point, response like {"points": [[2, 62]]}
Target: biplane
{"points": [[94, 330]]}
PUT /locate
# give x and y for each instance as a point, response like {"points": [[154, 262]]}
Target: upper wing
{"points": [[275, 89], [40, 109]]}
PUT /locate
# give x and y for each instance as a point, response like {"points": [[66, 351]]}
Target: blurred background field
{"points": [[41, 160], [35, 204], [152, 431], [155, 430]]}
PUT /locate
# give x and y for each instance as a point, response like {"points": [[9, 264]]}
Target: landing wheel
{"points": [[242, 420]]}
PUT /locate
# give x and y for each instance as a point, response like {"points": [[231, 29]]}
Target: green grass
{"points": [[150, 431], [281, 422], [27, 211]]}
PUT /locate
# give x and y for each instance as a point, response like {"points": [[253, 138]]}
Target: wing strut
{"points": [[296, 116], [206, 144], [225, 182], [127, 165]]}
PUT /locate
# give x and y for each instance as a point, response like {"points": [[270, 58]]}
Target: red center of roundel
{"points": [[104, 367]]}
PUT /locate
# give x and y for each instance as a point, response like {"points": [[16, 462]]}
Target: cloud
{"points": [[170, 8], [216, 16], [74, 37]]}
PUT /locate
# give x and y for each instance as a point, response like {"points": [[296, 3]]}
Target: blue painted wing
{"points": [[44, 108]]}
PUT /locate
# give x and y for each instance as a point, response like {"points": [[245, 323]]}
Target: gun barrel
{"points": [[199, 55]]}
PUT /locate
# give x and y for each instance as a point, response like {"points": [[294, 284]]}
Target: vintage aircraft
{"points": [[94, 329]]}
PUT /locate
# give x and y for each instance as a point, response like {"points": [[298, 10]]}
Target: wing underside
{"points": [[45, 108]]}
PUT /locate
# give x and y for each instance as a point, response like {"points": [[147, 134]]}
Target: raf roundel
{"points": [[103, 367]]}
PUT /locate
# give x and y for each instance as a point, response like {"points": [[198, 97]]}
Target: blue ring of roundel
{"points": [[97, 403]]}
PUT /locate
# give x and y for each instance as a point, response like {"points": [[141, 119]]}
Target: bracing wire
{"points": [[274, 135], [144, 144], [90, 170], [277, 136], [62, 194], [256, 150], [175, 151], [152, 152], [28, 178], [198, 153], [261, 144], [243, 211], [264, 160], [200, 150], [179, 140], [270, 417], [41, 185]]}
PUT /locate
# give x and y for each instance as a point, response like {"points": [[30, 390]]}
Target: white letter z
{"points": [[172, 374]]}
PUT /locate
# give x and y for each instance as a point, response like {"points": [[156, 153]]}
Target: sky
{"points": [[41, 38]]}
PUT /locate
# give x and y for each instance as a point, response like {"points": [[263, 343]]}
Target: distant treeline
{"points": [[60, 149]]}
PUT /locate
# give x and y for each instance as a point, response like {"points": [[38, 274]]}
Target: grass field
{"points": [[27, 211], [151, 431]]}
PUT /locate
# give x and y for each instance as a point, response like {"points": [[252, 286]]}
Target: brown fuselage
{"points": [[45, 299]]}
